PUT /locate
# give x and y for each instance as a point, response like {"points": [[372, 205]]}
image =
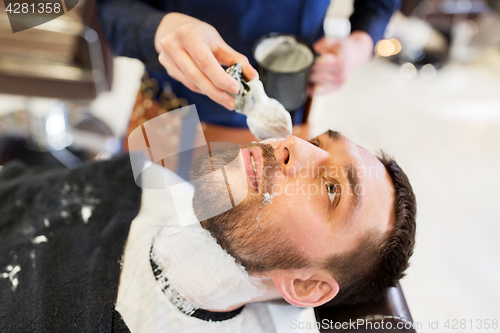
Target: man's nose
{"points": [[296, 155]]}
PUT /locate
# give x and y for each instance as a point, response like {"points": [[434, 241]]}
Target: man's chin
{"points": [[228, 187]]}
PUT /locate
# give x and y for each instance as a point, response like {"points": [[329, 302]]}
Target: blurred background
{"points": [[430, 98]]}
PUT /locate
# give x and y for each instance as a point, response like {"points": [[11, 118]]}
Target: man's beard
{"points": [[250, 234]]}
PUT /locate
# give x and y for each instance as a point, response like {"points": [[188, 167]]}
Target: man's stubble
{"points": [[250, 231]]}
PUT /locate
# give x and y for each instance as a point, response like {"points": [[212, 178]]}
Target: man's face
{"points": [[321, 196]]}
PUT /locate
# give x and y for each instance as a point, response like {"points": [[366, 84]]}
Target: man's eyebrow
{"points": [[355, 198], [352, 178], [334, 135]]}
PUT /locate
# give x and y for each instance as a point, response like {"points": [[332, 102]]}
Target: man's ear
{"points": [[305, 287]]}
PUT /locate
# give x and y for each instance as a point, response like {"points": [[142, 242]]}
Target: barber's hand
{"points": [[192, 51], [338, 58]]}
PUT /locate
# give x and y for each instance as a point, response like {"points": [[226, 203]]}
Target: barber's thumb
{"points": [[249, 72], [228, 56]]}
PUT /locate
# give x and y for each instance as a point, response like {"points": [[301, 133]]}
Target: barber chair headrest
{"points": [[391, 309]]}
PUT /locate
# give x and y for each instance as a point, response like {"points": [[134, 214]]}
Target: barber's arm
{"points": [[339, 57], [190, 50], [130, 27]]}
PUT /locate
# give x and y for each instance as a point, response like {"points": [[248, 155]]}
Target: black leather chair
{"points": [[390, 314]]}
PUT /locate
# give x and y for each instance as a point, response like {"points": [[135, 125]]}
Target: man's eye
{"points": [[332, 191], [314, 142]]}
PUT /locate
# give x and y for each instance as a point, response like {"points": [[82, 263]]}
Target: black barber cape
{"points": [[62, 236]]}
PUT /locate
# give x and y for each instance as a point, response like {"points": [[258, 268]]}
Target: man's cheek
{"points": [[237, 180], [211, 195], [312, 191], [302, 190]]}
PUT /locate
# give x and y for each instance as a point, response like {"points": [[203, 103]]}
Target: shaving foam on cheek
{"points": [[268, 198]]}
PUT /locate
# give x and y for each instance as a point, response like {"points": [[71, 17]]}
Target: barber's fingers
{"points": [[328, 69], [184, 61], [175, 72], [329, 62], [205, 60], [327, 45], [226, 55], [323, 80], [326, 77]]}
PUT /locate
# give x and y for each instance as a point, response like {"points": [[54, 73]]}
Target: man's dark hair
{"points": [[380, 261]]}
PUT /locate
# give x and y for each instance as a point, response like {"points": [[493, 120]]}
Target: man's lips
{"points": [[253, 175]]}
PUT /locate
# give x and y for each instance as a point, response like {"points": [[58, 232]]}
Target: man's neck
{"points": [[271, 294]]}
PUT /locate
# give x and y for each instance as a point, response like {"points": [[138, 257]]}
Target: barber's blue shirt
{"points": [[130, 26]]}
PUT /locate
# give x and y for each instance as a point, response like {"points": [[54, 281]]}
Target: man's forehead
{"points": [[372, 177], [366, 155]]}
